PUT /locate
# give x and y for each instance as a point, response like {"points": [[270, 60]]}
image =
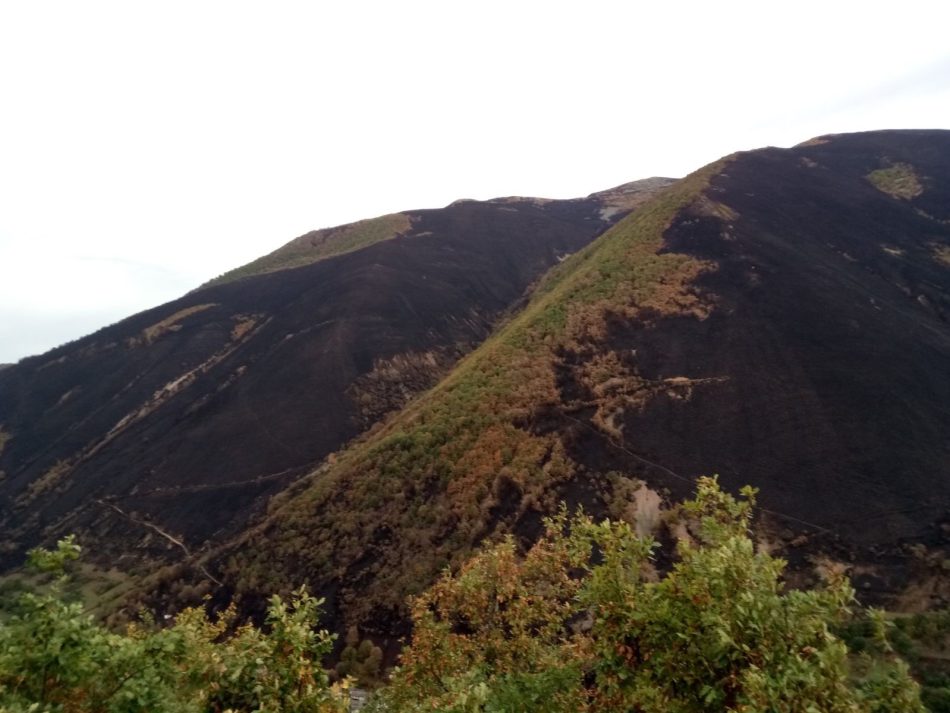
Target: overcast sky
{"points": [[148, 146]]}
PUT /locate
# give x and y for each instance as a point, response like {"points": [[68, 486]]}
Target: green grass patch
{"points": [[100, 590], [899, 180], [322, 244]]}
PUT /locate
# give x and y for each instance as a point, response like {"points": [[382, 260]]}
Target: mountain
{"points": [[366, 405], [778, 317], [171, 428]]}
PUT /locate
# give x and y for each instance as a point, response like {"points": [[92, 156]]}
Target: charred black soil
{"points": [[189, 415]]}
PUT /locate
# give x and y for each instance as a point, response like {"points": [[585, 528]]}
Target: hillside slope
{"points": [[182, 419], [779, 317]]}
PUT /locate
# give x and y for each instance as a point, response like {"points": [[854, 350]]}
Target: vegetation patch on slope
{"points": [[172, 323], [463, 461], [322, 244], [899, 180], [941, 254], [50, 479]]}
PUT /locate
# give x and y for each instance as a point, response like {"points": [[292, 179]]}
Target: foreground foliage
{"points": [[584, 622], [923, 641], [55, 657]]}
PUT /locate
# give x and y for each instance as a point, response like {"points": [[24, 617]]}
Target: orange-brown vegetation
{"points": [[243, 324], [171, 323], [941, 254]]}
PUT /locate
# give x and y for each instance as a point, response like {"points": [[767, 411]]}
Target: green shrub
{"points": [[584, 622], [55, 657]]}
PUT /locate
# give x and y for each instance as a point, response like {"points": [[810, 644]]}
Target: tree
{"points": [[56, 657], [585, 623], [494, 635], [360, 659]]}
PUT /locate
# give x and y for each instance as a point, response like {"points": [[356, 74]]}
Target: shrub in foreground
{"points": [[56, 657], [584, 622]]}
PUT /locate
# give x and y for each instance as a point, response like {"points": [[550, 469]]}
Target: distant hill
{"points": [[320, 245]]}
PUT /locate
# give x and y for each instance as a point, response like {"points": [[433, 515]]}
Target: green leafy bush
{"points": [[584, 622], [55, 657], [361, 660]]}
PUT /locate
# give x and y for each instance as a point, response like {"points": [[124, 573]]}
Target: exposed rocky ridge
{"points": [[777, 318], [182, 419]]}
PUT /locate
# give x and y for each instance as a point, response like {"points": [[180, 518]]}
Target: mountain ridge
{"points": [[324, 243], [126, 420]]}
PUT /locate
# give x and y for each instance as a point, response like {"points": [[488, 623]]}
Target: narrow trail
{"points": [[683, 478], [159, 531]]}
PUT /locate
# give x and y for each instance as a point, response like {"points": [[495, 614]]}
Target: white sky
{"points": [[148, 146]]}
